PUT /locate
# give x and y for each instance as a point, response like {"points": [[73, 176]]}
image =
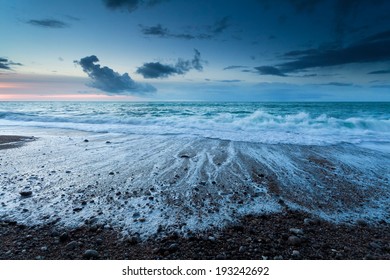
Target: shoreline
{"points": [[288, 235], [285, 234]]}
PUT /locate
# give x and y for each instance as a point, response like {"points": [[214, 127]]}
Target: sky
{"points": [[204, 50]]}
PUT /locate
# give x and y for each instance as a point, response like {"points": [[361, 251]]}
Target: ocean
{"points": [[270, 123], [186, 166]]}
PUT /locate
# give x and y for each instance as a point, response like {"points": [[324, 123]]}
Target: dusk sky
{"points": [[216, 50]]}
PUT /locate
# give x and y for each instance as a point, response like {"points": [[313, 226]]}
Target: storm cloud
{"points": [[6, 64], [375, 48], [48, 23], [153, 70], [109, 81]]}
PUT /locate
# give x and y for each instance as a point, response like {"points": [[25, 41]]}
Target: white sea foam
{"points": [[289, 124]]}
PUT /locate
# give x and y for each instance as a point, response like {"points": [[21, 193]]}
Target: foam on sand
{"points": [[142, 185]]}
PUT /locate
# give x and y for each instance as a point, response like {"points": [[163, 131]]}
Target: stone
{"points": [[294, 240], [279, 258], [90, 254], [296, 231], [173, 247], [86, 140], [64, 236], [26, 193], [72, 245], [295, 253], [242, 249]]}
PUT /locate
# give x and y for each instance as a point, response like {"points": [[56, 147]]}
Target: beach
{"points": [[229, 180], [51, 211]]}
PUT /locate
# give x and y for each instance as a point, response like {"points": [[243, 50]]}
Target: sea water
{"points": [[270, 123], [180, 166]]}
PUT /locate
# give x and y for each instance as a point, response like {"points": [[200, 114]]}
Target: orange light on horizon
{"points": [[65, 97], [10, 85]]}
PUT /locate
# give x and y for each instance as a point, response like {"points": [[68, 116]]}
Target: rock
{"points": [[278, 258], [86, 140], [375, 245], [44, 248], [67, 171], [294, 240], [133, 240], [221, 256], [64, 236], [72, 245], [242, 249], [90, 254], [111, 173], [173, 247], [296, 231], [295, 253], [184, 156], [108, 142], [26, 193], [211, 238]]}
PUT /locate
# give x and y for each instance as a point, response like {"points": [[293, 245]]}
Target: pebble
{"points": [[173, 247], [296, 231], [64, 236], [295, 253], [90, 254], [72, 245], [278, 258], [25, 193], [294, 240], [242, 249], [86, 140], [44, 248]]}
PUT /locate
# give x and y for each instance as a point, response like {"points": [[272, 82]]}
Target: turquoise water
{"points": [[272, 123]]}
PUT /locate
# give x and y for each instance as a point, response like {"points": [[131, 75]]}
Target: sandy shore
{"points": [[287, 233]]}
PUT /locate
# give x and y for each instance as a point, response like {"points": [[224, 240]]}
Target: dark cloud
{"points": [[48, 23], [108, 80], [380, 72], [153, 70], [337, 84], [375, 48], [6, 64], [229, 81], [305, 5], [209, 31], [131, 5], [269, 70], [234, 67]]}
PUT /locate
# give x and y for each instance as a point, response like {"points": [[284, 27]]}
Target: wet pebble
{"points": [[90, 254], [25, 193], [294, 240]]}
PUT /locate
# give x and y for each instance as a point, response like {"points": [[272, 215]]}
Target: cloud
{"points": [[108, 80], [338, 84], [48, 23], [380, 72], [209, 31], [375, 48], [131, 5], [6, 64], [234, 67], [269, 70], [153, 70]]}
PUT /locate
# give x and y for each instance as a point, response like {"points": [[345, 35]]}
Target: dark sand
{"points": [[287, 235], [13, 141]]}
